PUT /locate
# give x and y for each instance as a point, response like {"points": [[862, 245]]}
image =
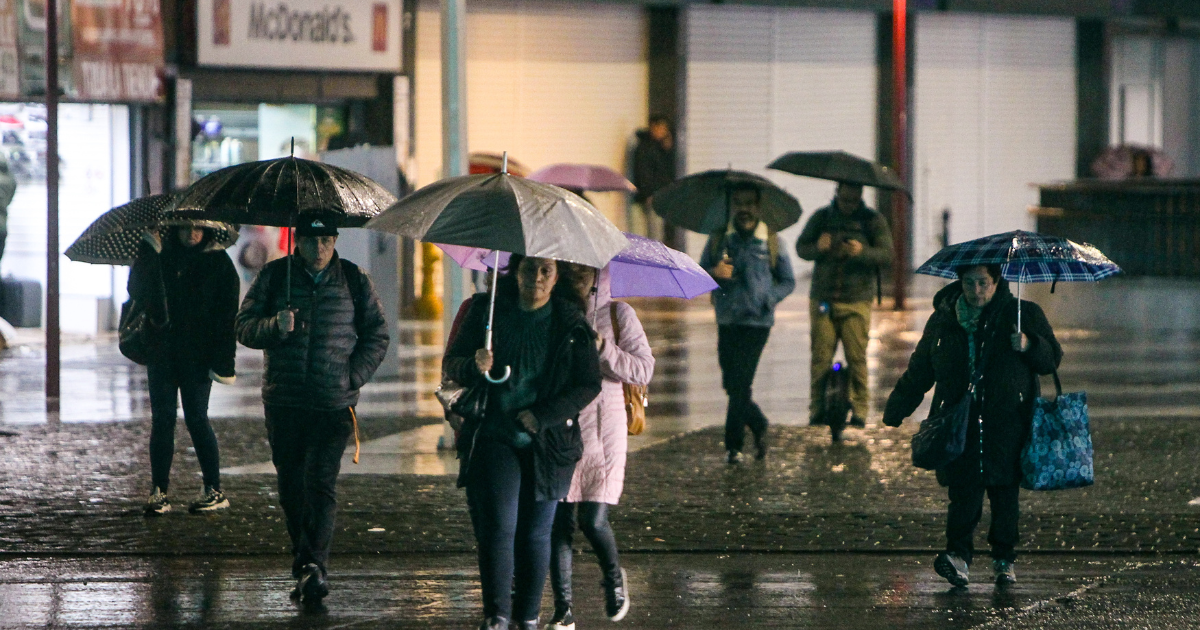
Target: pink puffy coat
{"points": [[600, 475]]}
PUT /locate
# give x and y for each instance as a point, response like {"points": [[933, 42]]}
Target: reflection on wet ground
{"points": [[441, 591]]}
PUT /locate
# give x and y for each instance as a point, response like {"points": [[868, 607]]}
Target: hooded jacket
{"points": [[758, 283], [1003, 406], [845, 280], [201, 287], [339, 339], [570, 381], [600, 474]]}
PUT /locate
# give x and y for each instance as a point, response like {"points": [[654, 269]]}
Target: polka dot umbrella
{"points": [[114, 238]]}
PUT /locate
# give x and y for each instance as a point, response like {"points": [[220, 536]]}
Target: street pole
{"points": [[454, 133], [52, 325], [900, 150]]}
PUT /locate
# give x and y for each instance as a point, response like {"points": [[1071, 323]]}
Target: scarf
{"points": [[968, 318]]}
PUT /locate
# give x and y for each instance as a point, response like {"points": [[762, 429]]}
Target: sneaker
{"points": [[616, 598], [312, 585], [858, 421], [953, 568], [563, 619], [1005, 572], [733, 457], [760, 447], [494, 623], [158, 504], [210, 501]]}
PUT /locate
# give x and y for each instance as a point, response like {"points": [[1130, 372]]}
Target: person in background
{"points": [[8, 189], [322, 341], [600, 476], [974, 326], [849, 242], [652, 167], [201, 289], [517, 462], [752, 277]]}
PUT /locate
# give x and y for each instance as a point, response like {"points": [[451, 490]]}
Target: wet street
{"points": [[820, 535]]}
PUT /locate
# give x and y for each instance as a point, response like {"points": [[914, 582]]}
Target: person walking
{"points": [[849, 242], [322, 340], [8, 189], [752, 277], [518, 460], [599, 477], [974, 326], [201, 287]]}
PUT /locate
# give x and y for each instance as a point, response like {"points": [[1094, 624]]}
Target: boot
{"points": [[616, 596]]}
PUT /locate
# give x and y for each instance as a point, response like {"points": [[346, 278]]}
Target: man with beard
{"points": [[753, 276]]}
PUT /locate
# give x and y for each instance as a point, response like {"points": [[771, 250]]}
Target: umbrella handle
{"points": [[497, 381]]}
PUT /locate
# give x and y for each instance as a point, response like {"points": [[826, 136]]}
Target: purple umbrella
{"points": [[583, 177], [646, 268]]}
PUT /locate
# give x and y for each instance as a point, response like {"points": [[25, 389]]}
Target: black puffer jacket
{"points": [[572, 381], [202, 295], [1004, 405], [340, 336]]}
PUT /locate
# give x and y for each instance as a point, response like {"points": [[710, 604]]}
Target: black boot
{"points": [[616, 595]]}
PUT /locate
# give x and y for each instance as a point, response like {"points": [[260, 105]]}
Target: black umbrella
{"points": [[283, 192], [113, 238], [700, 202], [838, 166]]}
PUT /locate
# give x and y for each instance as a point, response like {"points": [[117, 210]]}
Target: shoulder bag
{"points": [[636, 397]]}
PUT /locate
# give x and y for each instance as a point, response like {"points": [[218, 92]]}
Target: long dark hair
{"points": [[564, 286]]}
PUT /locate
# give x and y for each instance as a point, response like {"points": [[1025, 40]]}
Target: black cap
{"points": [[316, 227]]}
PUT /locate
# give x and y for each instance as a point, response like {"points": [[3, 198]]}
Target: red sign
{"points": [[379, 31], [118, 50]]}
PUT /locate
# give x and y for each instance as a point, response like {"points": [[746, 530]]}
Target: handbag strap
{"points": [[616, 325], [1057, 385]]}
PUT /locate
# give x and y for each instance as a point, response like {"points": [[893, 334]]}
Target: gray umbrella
{"points": [[700, 202], [838, 166]]}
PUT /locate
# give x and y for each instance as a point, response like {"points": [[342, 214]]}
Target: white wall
{"points": [[993, 112], [765, 81], [546, 81], [94, 147]]}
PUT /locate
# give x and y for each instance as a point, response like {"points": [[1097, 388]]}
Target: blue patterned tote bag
{"points": [[1059, 453]]}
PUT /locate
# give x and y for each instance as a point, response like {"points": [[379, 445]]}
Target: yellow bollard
{"points": [[429, 305]]}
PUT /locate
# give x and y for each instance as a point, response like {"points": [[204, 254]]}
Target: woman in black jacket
{"points": [[975, 320], [201, 287], [517, 463]]}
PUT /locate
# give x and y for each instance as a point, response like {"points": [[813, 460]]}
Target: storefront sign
{"points": [[118, 54], [300, 34], [10, 73]]}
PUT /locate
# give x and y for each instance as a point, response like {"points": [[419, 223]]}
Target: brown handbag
{"points": [[635, 395]]}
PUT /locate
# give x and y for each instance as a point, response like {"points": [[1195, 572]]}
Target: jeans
{"points": [[168, 383], [738, 350], [966, 510], [306, 448], [512, 530], [851, 323], [592, 519]]}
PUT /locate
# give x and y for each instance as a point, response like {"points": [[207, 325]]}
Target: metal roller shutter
{"points": [[994, 111]]}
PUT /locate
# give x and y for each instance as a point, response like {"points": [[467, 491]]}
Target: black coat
{"points": [[1004, 404], [202, 299], [571, 381], [339, 339], [653, 166]]}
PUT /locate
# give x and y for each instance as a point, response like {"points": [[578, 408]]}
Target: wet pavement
{"points": [[708, 545]]}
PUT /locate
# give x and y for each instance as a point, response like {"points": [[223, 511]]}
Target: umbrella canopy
{"points": [[1024, 257], [283, 191], [700, 202], [508, 214], [113, 239], [646, 268], [583, 177], [838, 166]]}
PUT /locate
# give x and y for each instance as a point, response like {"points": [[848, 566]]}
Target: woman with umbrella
{"points": [[974, 335], [188, 266], [519, 458]]}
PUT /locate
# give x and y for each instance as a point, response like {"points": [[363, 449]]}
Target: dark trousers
{"points": [[512, 530], [738, 350], [966, 509], [306, 448], [591, 518], [169, 383]]}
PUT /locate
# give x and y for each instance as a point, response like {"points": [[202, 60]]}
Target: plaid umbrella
{"points": [[1024, 257], [113, 238]]}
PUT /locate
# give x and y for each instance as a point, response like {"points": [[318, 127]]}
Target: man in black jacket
{"points": [[323, 340]]}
